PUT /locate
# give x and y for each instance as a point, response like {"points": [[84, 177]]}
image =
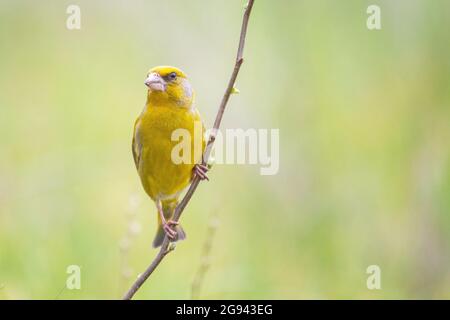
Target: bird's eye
{"points": [[172, 75]]}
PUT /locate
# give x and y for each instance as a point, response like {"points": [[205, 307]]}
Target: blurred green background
{"points": [[364, 173]]}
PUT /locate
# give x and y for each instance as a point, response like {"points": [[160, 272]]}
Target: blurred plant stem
{"points": [[165, 249], [205, 258], [133, 229]]}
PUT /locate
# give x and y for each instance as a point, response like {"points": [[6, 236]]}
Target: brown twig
{"points": [[165, 249]]}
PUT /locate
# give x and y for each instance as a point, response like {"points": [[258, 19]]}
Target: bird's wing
{"points": [[204, 137], [136, 146], [199, 118]]}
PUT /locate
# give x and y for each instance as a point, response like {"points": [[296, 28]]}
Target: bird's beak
{"points": [[155, 82]]}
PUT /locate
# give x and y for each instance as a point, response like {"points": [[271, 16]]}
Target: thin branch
{"points": [[165, 249]]}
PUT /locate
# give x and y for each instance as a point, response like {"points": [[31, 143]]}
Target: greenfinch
{"points": [[170, 106]]}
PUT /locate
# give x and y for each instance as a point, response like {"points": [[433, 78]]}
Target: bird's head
{"points": [[168, 86]]}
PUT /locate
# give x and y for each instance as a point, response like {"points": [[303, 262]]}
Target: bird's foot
{"points": [[167, 227], [200, 170]]}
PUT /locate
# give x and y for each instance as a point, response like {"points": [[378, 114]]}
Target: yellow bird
{"points": [[156, 146]]}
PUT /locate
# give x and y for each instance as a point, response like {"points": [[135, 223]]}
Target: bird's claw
{"points": [[200, 171], [168, 229]]}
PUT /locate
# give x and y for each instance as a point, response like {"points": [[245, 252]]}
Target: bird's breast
{"points": [[161, 131]]}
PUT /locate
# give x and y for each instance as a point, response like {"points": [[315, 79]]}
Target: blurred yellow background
{"points": [[364, 173]]}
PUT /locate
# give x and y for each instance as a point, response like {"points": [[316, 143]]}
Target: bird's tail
{"points": [[168, 208]]}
